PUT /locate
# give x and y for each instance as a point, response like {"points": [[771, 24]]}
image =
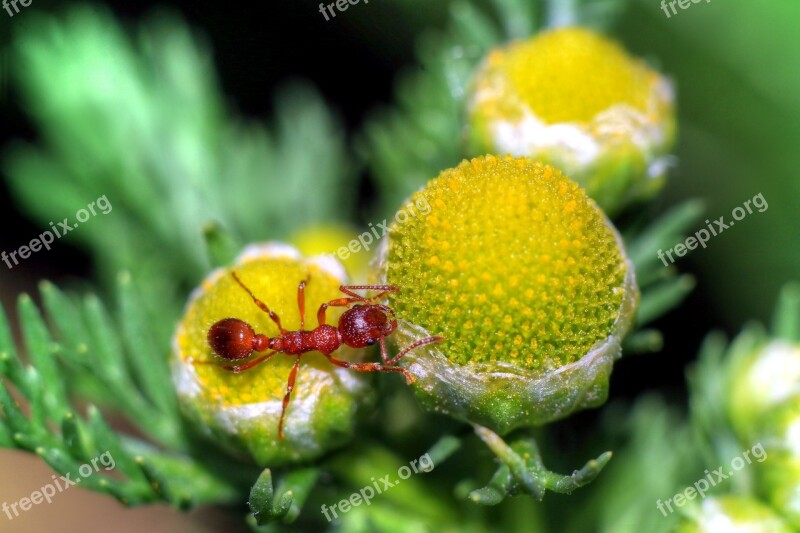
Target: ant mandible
{"points": [[363, 324]]}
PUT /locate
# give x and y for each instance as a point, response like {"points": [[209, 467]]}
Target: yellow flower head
{"points": [[241, 411], [527, 281], [577, 100]]}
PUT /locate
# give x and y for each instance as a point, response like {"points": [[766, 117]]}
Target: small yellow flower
{"points": [[332, 239], [577, 100], [241, 411], [527, 281]]}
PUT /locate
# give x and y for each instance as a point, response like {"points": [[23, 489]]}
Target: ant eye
{"points": [[371, 342]]}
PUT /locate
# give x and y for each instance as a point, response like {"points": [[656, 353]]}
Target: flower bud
{"points": [[577, 100], [527, 281], [764, 406], [763, 402], [241, 411], [762, 379], [779, 482], [732, 514]]}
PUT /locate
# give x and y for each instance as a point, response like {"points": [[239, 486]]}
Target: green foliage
{"points": [[293, 491], [786, 321], [150, 130], [711, 376], [410, 144], [662, 287], [654, 458], [143, 122], [521, 471], [77, 345]]}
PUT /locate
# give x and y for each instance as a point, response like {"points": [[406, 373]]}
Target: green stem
{"points": [[529, 478], [524, 463]]}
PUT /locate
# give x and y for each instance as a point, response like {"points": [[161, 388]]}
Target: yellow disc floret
{"points": [[515, 263], [572, 75], [520, 272], [241, 410]]}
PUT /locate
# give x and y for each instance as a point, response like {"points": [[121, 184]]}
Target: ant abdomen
{"points": [[232, 338]]}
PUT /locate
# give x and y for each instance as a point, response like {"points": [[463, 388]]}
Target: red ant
{"points": [[363, 324]]}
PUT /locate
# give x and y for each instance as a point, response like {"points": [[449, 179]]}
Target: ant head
{"points": [[232, 338], [363, 325]]}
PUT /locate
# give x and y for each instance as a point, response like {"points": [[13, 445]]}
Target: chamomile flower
{"points": [[579, 101], [240, 411], [527, 281]]}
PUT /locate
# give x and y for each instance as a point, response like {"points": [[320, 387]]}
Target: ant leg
{"points": [[385, 289], [384, 356], [341, 302], [371, 367], [245, 366], [354, 297], [301, 302], [289, 389], [417, 344], [275, 318]]}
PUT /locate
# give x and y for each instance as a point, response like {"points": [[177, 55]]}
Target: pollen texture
{"points": [[514, 263], [573, 74]]}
